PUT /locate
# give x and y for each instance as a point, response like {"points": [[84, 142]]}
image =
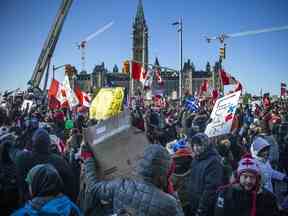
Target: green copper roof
{"points": [[140, 11]]}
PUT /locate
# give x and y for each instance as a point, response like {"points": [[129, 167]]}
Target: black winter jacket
{"points": [[233, 200], [139, 195], [40, 154], [205, 177]]}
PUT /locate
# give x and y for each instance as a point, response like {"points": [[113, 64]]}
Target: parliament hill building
{"points": [[101, 77]]}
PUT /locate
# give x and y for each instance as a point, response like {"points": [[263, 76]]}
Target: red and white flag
{"points": [[204, 87], [283, 89], [266, 101], [238, 87], [70, 94], [136, 70], [226, 78], [83, 97], [143, 75], [215, 95], [158, 77], [157, 70], [57, 91], [149, 79]]}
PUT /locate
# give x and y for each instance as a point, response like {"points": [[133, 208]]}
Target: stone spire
{"points": [[140, 13]]}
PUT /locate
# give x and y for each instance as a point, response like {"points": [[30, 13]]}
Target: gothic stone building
{"points": [[100, 77]]}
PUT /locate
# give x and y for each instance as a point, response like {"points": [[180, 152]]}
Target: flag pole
{"points": [[131, 81]]}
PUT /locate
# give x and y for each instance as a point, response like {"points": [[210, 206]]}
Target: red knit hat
{"points": [[183, 152]]}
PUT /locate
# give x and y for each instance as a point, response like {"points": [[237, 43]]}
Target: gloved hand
{"points": [[86, 151]]}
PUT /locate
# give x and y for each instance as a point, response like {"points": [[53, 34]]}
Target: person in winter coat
{"points": [[145, 195], [181, 160], [46, 186], [246, 197], [205, 177], [40, 153], [260, 151], [223, 148], [9, 193]]}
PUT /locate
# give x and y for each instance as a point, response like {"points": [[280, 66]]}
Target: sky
{"points": [[258, 61]]}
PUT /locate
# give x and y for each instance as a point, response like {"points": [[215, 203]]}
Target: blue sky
{"points": [[258, 61]]}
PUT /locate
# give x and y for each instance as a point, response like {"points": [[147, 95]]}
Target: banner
{"points": [[27, 104], [222, 115], [107, 103]]}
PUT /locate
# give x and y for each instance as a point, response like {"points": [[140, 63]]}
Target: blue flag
{"points": [[192, 104]]}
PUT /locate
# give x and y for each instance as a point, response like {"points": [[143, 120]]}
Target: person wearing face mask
{"points": [[260, 151], [246, 197], [205, 177]]}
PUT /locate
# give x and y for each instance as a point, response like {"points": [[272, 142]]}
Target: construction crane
{"points": [[83, 43], [222, 37], [49, 45]]}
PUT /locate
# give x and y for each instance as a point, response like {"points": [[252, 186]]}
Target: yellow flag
{"points": [[107, 103]]}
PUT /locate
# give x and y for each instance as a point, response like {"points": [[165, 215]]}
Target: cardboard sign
{"points": [[222, 115], [117, 146]]}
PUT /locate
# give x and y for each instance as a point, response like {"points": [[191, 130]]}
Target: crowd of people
{"points": [[46, 168]]}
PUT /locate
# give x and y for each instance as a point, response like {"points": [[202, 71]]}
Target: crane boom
{"points": [[253, 32], [223, 37], [50, 44], [82, 44], [104, 28]]}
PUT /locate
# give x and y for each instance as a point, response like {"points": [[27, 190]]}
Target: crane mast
{"points": [[50, 44]]}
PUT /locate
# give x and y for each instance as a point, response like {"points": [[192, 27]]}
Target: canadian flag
{"points": [[158, 77], [83, 97], [70, 94], [149, 80], [238, 87], [227, 78], [57, 91], [136, 70], [158, 72], [204, 87], [143, 75], [266, 101], [215, 95]]}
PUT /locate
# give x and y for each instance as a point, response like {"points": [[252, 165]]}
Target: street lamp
{"points": [[56, 68], [179, 24]]}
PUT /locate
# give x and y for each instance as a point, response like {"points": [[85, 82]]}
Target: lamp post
{"points": [[179, 24], [56, 68]]}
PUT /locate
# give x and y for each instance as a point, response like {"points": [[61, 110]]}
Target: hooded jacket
{"points": [[46, 186], [40, 154], [60, 206], [267, 172], [139, 194]]}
